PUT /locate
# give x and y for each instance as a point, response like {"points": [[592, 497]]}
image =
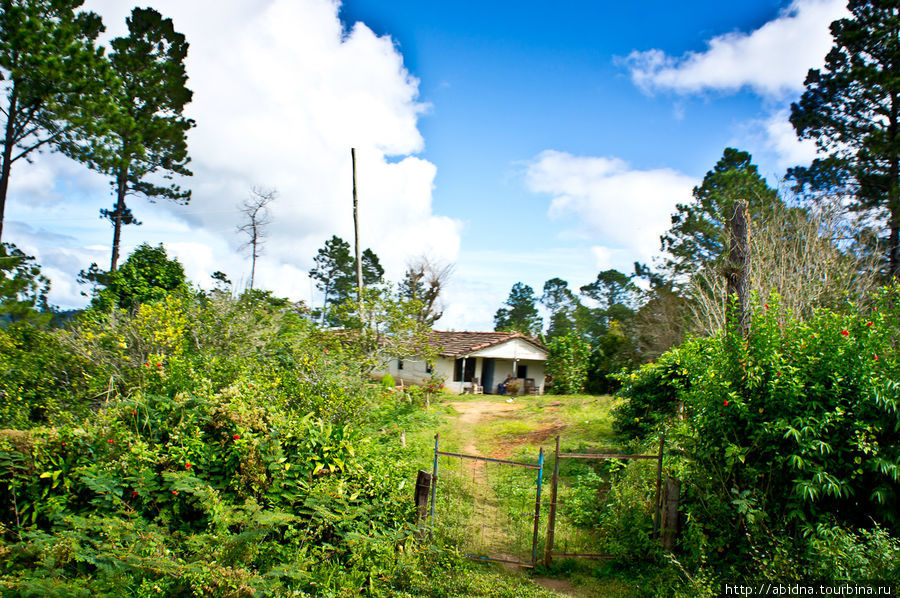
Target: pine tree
{"points": [[697, 237], [520, 313], [145, 137], [851, 109], [53, 78]]}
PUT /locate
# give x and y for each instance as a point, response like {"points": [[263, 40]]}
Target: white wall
{"points": [[502, 367], [512, 349]]}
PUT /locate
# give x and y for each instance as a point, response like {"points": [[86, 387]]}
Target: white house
{"points": [[480, 359]]}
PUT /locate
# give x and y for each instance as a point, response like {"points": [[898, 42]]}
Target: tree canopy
{"points": [[851, 110], [335, 272], [520, 313], [23, 289], [147, 275], [697, 236], [53, 78]]}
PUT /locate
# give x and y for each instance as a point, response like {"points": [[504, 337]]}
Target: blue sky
{"points": [[519, 140]]}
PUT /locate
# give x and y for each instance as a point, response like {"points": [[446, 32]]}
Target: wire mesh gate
{"points": [[567, 539], [491, 507]]}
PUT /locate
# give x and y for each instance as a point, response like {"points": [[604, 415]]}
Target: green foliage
{"points": [[39, 378], [384, 326], [849, 110], [618, 507], [520, 313], [23, 289], [388, 381], [568, 361], [698, 236], [650, 395], [794, 427], [218, 460], [147, 275], [844, 554], [335, 274]]}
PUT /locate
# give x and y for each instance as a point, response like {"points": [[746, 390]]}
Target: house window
{"points": [[459, 375], [399, 364], [429, 368], [522, 371]]}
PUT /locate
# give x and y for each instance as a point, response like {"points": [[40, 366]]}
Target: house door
{"points": [[487, 375]]}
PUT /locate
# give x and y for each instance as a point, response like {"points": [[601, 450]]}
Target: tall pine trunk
{"points": [[8, 144], [118, 213], [894, 215]]}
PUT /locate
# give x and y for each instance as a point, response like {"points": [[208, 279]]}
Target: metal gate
{"points": [[579, 542], [491, 507]]}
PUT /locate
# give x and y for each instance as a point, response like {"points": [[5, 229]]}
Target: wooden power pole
{"points": [[359, 279]]}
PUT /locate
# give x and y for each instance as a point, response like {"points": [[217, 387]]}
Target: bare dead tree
{"points": [[804, 256], [424, 281], [737, 271], [256, 209]]}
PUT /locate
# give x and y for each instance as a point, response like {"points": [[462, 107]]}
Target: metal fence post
{"points": [[551, 517], [434, 480], [537, 507]]}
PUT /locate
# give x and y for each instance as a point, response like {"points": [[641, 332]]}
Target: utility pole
{"points": [[359, 279]]}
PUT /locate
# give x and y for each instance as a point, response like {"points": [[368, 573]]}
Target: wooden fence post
{"points": [[423, 491], [670, 513]]}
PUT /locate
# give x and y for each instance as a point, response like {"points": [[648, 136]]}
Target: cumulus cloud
{"points": [[772, 60], [624, 208], [781, 137], [282, 91]]}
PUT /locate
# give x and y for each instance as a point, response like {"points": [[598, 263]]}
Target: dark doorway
{"points": [[487, 375]]}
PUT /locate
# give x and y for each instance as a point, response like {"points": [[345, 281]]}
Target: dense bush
{"points": [[195, 445], [795, 427], [568, 362]]}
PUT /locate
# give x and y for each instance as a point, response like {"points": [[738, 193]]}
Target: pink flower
{"points": [[158, 365], [175, 492], [869, 324], [767, 306], [876, 357], [725, 402], [235, 437], [187, 465], [845, 333], [134, 493], [111, 441]]}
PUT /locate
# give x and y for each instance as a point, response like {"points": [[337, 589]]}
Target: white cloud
{"points": [[626, 210], [772, 60], [281, 93], [782, 139]]}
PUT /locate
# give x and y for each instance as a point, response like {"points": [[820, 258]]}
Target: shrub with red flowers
{"points": [[796, 427]]}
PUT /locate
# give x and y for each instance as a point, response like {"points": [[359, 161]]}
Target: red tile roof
{"points": [[459, 344]]}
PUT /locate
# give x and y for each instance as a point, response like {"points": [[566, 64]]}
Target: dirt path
{"points": [[474, 413]]}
